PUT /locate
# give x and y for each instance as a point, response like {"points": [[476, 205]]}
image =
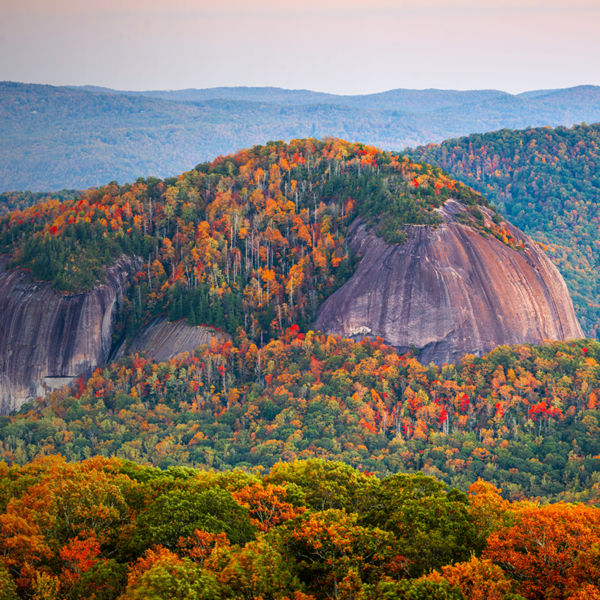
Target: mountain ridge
{"points": [[301, 95], [65, 137]]}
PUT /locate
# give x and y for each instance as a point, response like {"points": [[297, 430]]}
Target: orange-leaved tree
{"points": [[553, 551]]}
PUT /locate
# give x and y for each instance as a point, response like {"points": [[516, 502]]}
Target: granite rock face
{"points": [[163, 339], [450, 291], [46, 338]]}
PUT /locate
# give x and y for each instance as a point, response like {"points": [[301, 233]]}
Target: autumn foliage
{"points": [[252, 243], [312, 530], [524, 418], [255, 240]]}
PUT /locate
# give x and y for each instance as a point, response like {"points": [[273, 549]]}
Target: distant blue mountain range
{"points": [[78, 137]]}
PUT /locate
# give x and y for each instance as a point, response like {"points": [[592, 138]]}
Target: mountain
{"points": [[65, 137], [547, 182], [451, 291], [257, 242], [252, 94], [401, 99], [323, 463]]}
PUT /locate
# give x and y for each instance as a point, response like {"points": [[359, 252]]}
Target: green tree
{"points": [[179, 512], [432, 523], [8, 587]]}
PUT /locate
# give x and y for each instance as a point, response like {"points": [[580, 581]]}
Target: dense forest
{"points": [[255, 240], [547, 182], [104, 529], [278, 463], [10, 201], [525, 418]]}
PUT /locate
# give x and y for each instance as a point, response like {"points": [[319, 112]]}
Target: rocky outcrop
{"points": [[162, 339], [47, 338], [450, 291]]}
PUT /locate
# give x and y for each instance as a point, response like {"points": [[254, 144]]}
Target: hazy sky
{"points": [[343, 46]]}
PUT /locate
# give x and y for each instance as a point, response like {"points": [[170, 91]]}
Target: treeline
{"points": [[547, 182], [313, 530], [525, 418], [254, 240], [10, 201]]}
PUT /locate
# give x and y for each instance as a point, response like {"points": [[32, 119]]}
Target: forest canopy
{"points": [[525, 418], [310, 530]]}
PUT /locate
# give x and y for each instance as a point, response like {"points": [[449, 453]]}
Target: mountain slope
{"points": [[525, 418], [255, 242], [451, 291], [251, 243], [547, 182], [58, 137]]}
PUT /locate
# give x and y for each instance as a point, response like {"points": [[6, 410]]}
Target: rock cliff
{"points": [[46, 338], [450, 291], [162, 339]]}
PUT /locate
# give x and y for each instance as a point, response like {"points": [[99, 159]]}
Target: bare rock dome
{"points": [[450, 291]]}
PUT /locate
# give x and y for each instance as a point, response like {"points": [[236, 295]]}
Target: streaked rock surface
{"points": [[163, 339], [450, 291], [47, 338]]}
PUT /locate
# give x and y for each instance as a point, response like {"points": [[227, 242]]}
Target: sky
{"points": [[339, 46]]}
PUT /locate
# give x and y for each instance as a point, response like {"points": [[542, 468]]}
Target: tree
{"points": [[168, 577], [418, 589], [552, 551], [477, 579], [333, 552], [258, 570], [325, 484], [103, 581], [267, 504], [8, 587], [180, 512], [431, 523]]}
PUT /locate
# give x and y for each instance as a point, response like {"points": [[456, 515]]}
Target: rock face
{"points": [[46, 338], [450, 291], [162, 340]]}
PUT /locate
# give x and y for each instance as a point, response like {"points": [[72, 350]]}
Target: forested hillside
{"points": [[255, 240], [108, 529], [277, 462], [86, 137], [252, 243], [547, 182], [525, 418], [10, 201]]}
